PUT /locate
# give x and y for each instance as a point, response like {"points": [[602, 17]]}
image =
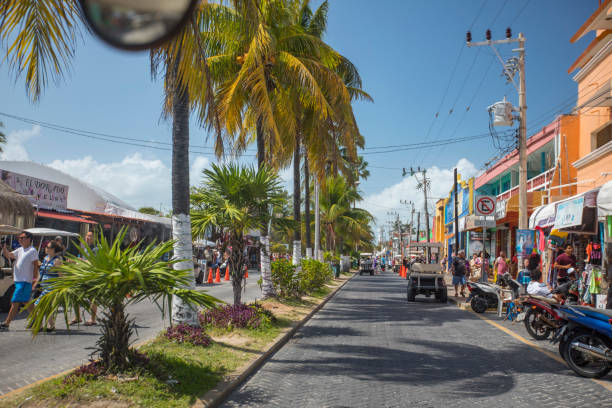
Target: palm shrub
{"points": [[314, 275], [235, 199], [285, 279], [114, 277]]}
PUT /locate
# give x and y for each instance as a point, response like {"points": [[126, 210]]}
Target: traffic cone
{"points": [[217, 277], [226, 273], [246, 272], [210, 278]]}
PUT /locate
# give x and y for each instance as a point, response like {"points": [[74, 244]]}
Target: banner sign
{"points": [[569, 213], [524, 242], [44, 194]]}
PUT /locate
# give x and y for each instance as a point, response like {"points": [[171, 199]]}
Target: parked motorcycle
{"points": [[585, 341], [542, 316], [485, 295]]}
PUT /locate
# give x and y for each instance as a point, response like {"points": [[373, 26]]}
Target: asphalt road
{"points": [[25, 360], [369, 347]]}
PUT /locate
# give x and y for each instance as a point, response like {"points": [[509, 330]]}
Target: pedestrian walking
{"points": [[459, 272], [25, 274], [52, 259]]}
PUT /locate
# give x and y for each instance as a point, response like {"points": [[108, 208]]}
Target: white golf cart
{"points": [[365, 263], [423, 278]]}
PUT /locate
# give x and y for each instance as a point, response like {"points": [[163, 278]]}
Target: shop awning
{"points": [[604, 200], [578, 213], [543, 216], [65, 217]]}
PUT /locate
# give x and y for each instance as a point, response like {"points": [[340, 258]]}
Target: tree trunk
{"points": [[181, 222], [236, 265], [307, 206], [264, 241], [317, 247], [297, 188]]}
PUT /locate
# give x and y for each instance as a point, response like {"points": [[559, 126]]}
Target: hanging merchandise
{"points": [[557, 237], [595, 282]]}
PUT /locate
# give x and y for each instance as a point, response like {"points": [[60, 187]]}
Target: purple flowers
{"points": [[183, 333], [237, 316]]}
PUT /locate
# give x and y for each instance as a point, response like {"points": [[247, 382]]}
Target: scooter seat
{"points": [[595, 313], [551, 301]]}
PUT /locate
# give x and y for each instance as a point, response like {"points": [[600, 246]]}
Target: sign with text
{"points": [[569, 213], [484, 205], [45, 194], [525, 242]]}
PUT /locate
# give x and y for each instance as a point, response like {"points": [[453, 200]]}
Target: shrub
{"points": [[314, 275], [182, 333], [284, 278], [237, 316], [87, 371]]}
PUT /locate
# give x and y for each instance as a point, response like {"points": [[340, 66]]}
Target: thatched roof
{"points": [[12, 203]]}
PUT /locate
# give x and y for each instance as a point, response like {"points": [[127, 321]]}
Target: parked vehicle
{"points": [[365, 263], [585, 341], [541, 316], [485, 295]]}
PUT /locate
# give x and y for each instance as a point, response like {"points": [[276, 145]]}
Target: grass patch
{"points": [[178, 374]]}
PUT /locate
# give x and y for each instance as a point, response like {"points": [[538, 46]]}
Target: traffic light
{"points": [[488, 35]]}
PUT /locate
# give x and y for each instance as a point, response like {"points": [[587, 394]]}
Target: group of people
{"points": [[30, 274], [462, 269]]}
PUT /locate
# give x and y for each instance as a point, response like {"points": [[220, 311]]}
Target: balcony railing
{"points": [[542, 180]]}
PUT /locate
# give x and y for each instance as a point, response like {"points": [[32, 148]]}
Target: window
{"points": [[601, 136]]}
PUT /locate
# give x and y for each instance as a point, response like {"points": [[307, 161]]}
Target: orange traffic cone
{"points": [[246, 272], [210, 278], [226, 274], [217, 277]]}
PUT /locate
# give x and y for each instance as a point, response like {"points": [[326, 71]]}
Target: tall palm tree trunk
{"points": [[307, 205], [297, 188], [264, 240], [317, 245], [181, 221]]}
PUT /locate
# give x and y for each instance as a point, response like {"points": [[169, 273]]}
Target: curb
{"points": [[214, 397]]}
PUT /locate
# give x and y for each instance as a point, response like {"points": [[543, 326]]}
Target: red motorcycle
{"points": [[541, 316]]}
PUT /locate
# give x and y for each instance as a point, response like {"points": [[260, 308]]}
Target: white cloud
{"points": [[388, 200], [135, 179], [14, 149]]}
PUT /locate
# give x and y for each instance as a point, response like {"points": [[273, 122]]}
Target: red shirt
{"points": [[564, 260]]}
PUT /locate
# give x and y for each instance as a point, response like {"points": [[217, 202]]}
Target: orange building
{"points": [[594, 78]]}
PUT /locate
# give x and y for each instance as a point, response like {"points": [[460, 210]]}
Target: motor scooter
{"points": [[485, 295], [585, 341]]}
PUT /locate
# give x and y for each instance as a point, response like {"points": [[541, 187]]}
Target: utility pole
{"points": [[509, 70], [410, 228], [424, 185], [418, 226]]}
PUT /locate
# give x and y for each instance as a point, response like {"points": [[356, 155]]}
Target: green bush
{"points": [[314, 275], [285, 279]]}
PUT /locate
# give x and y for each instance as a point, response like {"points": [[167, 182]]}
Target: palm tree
{"points": [[339, 217], [236, 199], [42, 37], [114, 277]]}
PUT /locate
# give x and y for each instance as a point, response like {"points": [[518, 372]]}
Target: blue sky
{"points": [[413, 61]]}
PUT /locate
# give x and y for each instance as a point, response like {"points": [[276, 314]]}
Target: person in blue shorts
{"points": [[25, 274]]}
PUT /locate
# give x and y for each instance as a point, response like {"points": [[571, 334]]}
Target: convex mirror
{"points": [[137, 24]]}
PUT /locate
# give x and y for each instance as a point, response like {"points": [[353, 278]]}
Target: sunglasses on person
{"points": [[23, 237]]}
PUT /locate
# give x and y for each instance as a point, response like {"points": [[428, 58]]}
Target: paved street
{"points": [[25, 360], [368, 347]]}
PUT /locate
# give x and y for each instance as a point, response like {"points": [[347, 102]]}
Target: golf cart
{"points": [[7, 286], [426, 279], [365, 263]]}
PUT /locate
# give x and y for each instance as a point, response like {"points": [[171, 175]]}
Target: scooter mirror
{"points": [[136, 24]]}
